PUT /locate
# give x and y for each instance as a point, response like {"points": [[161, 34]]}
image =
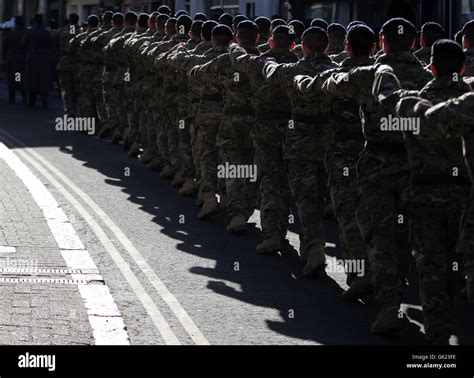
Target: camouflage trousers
{"points": [[133, 114], [466, 243], [110, 95], [435, 219], [207, 126], [185, 130], [341, 166], [98, 99], [68, 92], [237, 150], [159, 119], [171, 123], [304, 148], [272, 170], [120, 103], [147, 126], [384, 228], [86, 100], [195, 148]]}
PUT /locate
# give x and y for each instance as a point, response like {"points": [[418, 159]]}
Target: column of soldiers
{"points": [[323, 113]]}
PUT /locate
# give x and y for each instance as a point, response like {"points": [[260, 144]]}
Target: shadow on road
{"points": [[310, 310]]}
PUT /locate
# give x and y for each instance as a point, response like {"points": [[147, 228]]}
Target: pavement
{"points": [[114, 255]]}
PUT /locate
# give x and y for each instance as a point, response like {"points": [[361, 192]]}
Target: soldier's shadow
{"points": [[305, 310]]}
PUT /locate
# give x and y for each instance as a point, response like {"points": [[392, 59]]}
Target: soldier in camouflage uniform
{"points": [[438, 191], [92, 68], [305, 144], [346, 143], [208, 118], [430, 33], [383, 172], [85, 100], [105, 69], [172, 121], [66, 65], [272, 119], [153, 51], [194, 97], [151, 155], [131, 141], [455, 118], [233, 137], [182, 99], [468, 43], [116, 57]]}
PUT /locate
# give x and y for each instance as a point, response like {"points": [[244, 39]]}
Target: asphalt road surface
{"points": [[174, 279]]}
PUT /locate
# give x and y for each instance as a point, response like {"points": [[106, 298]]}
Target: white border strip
{"points": [[105, 319]]}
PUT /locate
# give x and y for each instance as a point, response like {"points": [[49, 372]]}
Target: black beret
{"points": [[448, 48], [314, 30], [263, 24], [247, 25], [360, 30], [222, 30], [393, 26], [200, 16], [320, 23], [226, 19], [284, 30], [432, 27], [468, 27], [164, 9], [277, 22]]}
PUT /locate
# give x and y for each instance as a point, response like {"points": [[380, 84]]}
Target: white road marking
{"points": [[115, 333], [6, 249], [152, 310]]}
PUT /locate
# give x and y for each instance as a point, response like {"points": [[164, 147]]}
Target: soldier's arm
{"points": [[203, 71], [307, 85], [244, 62], [281, 74], [454, 117]]}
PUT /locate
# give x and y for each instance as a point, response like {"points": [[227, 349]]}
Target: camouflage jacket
{"points": [[298, 50], [98, 44], [455, 117], [264, 47], [75, 49], [384, 152], [339, 58], [469, 62], [424, 55], [304, 110], [235, 87], [358, 84], [66, 62], [115, 55], [347, 138], [210, 95], [428, 154], [194, 94], [88, 45], [269, 100]]}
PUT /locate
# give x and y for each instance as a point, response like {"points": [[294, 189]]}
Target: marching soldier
{"points": [[383, 172], [272, 119]]}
